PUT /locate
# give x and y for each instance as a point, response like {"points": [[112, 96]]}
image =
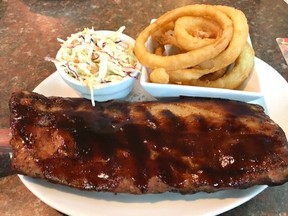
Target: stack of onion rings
{"points": [[210, 44]]}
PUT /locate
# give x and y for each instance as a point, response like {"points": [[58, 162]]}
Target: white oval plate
{"points": [[76, 202]]}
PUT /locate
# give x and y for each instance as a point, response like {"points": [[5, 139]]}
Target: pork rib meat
{"points": [[181, 145]]}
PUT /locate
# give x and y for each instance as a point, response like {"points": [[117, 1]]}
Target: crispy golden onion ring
{"points": [[190, 58], [236, 76], [159, 75], [225, 58], [196, 32], [163, 35], [188, 33], [159, 50], [215, 75]]}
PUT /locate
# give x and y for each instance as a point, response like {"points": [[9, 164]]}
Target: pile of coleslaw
{"points": [[94, 58]]}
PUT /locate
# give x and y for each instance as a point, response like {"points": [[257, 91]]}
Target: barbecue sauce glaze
{"points": [[99, 147]]}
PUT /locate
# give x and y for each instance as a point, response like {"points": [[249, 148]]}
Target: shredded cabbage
{"points": [[94, 59]]}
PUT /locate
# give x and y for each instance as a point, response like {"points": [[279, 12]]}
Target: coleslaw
{"points": [[95, 59]]}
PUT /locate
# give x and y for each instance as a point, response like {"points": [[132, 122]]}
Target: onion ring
{"points": [[196, 32], [189, 33], [159, 50], [234, 78], [215, 75], [228, 56], [159, 75], [190, 58], [163, 36]]}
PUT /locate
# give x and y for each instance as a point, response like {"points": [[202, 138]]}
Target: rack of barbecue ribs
{"points": [[182, 145]]}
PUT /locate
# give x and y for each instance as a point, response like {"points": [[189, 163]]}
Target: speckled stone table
{"points": [[28, 32]]}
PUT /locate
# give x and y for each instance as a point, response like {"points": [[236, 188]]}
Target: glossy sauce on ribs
{"points": [[181, 145]]}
